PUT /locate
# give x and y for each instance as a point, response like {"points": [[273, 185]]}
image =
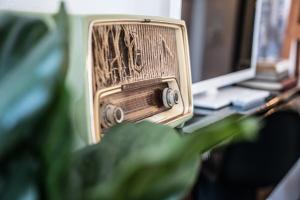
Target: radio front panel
{"points": [[137, 69]]}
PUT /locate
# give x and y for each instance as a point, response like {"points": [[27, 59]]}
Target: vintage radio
{"points": [[128, 69]]}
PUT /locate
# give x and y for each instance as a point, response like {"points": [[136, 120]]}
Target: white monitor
{"points": [[223, 41]]}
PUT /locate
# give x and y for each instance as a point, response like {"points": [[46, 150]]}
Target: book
{"points": [[282, 85], [272, 76], [273, 66], [272, 70]]}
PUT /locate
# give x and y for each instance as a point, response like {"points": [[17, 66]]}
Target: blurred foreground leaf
{"points": [[35, 136], [17, 36], [29, 87], [150, 161]]}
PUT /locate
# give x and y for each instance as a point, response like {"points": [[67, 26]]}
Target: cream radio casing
{"points": [[127, 69]]}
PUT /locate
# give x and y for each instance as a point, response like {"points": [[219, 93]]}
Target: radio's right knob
{"points": [[170, 97], [112, 115]]}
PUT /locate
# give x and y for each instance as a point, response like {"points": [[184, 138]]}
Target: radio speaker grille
{"points": [[128, 53]]}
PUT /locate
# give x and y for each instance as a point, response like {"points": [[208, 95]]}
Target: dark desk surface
{"points": [[214, 164], [273, 104]]}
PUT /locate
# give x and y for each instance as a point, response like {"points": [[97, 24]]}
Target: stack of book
{"points": [[272, 76]]}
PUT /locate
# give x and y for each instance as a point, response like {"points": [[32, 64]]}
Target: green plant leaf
{"points": [[149, 161], [35, 135], [18, 178], [18, 35], [27, 89], [56, 148]]}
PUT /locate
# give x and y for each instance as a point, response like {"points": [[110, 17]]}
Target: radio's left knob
{"points": [[112, 115]]}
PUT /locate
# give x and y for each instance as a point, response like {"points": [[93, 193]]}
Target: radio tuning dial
{"points": [[170, 97], [112, 115]]}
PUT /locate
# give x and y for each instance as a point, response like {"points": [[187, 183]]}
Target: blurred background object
{"points": [[220, 36], [277, 69], [274, 21]]}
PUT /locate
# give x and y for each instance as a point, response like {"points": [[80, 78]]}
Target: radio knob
{"points": [[112, 115], [170, 97]]}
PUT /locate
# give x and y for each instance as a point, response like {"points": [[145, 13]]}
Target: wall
{"points": [[165, 8]]}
